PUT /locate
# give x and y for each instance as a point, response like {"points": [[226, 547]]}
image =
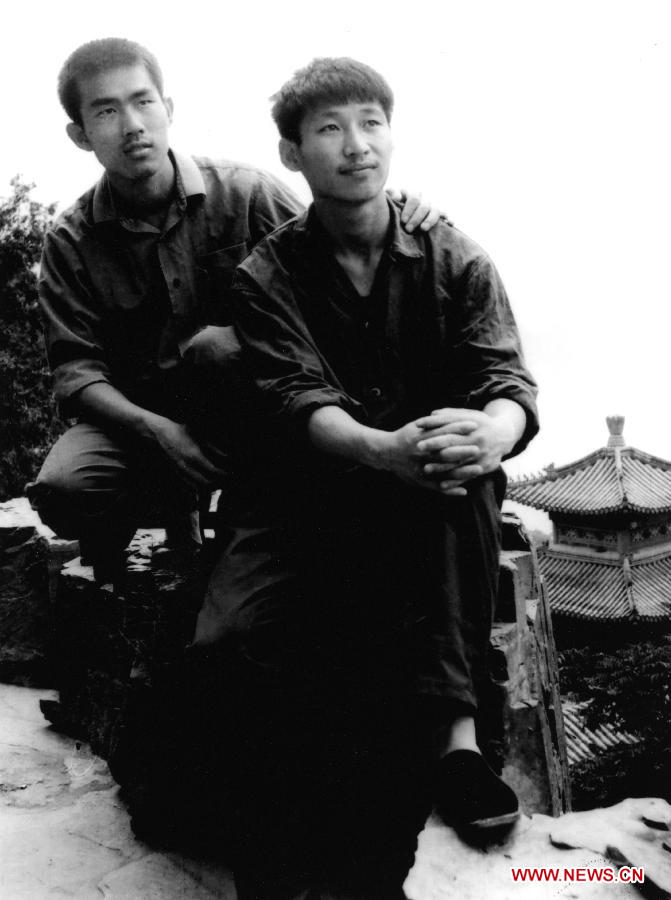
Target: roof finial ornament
{"points": [[615, 427]]}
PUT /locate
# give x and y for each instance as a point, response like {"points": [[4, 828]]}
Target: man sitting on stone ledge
{"points": [[134, 283], [352, 608]]}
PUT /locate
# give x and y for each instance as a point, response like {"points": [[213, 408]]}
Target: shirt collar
{"points": [[188, 180], [399, 242]]}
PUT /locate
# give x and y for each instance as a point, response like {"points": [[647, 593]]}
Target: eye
{"points": [[145, 101], [330, 126], [105, 112], [372, 123]]}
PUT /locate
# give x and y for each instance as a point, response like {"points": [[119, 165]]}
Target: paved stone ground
{"points": [[63, 830], [65, 834]]}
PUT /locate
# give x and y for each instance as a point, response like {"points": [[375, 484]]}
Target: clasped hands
{"points": [[446, 449]]}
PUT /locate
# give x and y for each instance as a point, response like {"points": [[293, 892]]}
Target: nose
{"points": [[132, 121], [356, 143]]}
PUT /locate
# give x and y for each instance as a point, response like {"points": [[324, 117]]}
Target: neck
{"points": [[145, 195], [355, 228]]}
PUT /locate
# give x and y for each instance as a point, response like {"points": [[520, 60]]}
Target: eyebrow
{"points": [[335, 112], [105, 101], [332, 111]]}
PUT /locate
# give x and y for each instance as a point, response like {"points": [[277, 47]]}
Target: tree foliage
{"points": [[630, 690], [28, 418]]}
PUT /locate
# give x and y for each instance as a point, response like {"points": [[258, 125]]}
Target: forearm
{"points": [[107, 406], [104, 404], [510, 419], [332, 430]]}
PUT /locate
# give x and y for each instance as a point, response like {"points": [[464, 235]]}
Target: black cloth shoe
{"points": [[470, 795]]}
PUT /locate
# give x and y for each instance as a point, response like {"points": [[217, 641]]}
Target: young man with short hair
{"points": [[390, 372], [134, 289]]}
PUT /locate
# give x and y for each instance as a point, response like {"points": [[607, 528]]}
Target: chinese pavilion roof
{"points": [[621, 589], [615, 478], [584, 744]]}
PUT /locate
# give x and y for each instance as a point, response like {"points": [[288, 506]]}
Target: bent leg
{"points": [[252, 633], [317, 740], [464, 596], [84, 491], [96, 488]]}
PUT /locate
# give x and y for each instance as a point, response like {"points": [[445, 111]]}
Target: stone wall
{"points": [[31, 558], [535, 760], [102, 647]]}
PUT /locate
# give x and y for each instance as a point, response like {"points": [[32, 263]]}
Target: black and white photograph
{"points": [[335, 464]]}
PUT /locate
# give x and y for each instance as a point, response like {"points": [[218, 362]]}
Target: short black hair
{"points": [[101, 56], [327, 79]]}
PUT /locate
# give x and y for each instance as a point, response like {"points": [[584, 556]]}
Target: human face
{"points": [[125, 123], [345, 151]]}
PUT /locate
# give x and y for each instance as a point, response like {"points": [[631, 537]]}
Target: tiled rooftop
{"points": [[613, 590], [608, 480], [584, 744], [613, 478]]}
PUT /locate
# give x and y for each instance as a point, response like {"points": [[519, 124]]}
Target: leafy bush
{"points": [[630, 690], [29, 422]]}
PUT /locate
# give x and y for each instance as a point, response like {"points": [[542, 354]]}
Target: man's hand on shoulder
{"points": [[417, 212]]}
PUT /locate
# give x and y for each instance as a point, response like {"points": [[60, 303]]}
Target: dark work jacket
{"points": [[121, 298], [437, 330]]}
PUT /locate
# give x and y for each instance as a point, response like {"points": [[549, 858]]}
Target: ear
{"points": [[290, 155], [78, 136], [170, 107]]}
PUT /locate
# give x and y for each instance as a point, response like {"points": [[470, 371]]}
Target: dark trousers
{"points": [[96, 484], [375, 571], [343, 636], [97, 487]]}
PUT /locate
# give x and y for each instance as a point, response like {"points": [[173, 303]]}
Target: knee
{"points": [[75, 485], [214, 347], [233, 628], [52, 498], [62, 481], [54, 494]]}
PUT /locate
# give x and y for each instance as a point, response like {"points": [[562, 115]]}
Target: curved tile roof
{"points": [[652, 588], [584, 744], [647, 483], [608, 590], [612, 479]]}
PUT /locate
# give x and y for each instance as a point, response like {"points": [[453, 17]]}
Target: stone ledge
{"points": [[30, 561], [109, 645], [634, 832], [64, 832]]}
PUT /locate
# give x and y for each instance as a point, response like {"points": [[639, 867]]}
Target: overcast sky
{"points": [[542, 128]]}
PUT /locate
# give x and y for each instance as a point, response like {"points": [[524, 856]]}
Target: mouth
{"points": [[357, 170], [137, 149]]}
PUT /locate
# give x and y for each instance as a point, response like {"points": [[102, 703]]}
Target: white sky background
{"points": [[542, 128]]}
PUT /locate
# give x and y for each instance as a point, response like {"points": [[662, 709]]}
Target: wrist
{"points": [[506, 433], [509, 420], [374, 448], [146, 425]]}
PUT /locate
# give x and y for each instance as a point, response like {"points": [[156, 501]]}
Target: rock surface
{"points": [[30, 561], [111, 642], [63, 830], [633, 833], [65, 833]]}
